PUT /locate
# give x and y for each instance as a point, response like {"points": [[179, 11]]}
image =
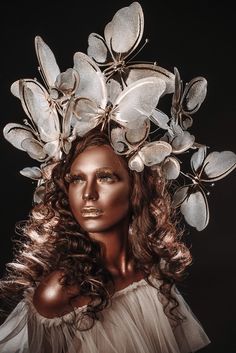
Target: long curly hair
{"points": [[51, 239]]}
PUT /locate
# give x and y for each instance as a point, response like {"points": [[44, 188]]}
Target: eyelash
{"points": [[106, 176], [100, 176]]}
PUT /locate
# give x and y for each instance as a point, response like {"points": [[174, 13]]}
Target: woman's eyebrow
{"points": [[99, 170], [106, 169], [76, 172]]}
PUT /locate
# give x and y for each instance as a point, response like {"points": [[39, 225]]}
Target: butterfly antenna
{"points": [[155, 130], [146, 41], [188, 176]]}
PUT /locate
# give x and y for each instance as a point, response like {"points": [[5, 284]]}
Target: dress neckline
{"points": [[129, 288], [77, 310]]}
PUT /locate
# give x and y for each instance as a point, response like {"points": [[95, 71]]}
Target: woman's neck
{"points": [[116, 250]]}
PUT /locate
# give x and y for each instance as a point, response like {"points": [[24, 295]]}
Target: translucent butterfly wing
{"points": [[47, 61], [160, 119], [182, 142], [92, 83], [17, 89], [136, 102], [125, 31], [151, 154], [98, 49], [135, 72], [136, 163], [125, 141], [113, 89], [43, 114], [179, 139], [217, 165], [23, 138], [34, 173], [197, 159], [188, 101], [155, 152], [138, 135], [213, 167], [194, 206], [171, 168], [194, 95], [177, 91], [35, 149], [119, 141], [86, 116], [16, 133]]}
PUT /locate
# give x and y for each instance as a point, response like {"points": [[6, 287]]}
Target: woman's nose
{"points": [[90, 192]]}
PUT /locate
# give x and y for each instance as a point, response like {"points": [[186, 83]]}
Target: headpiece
{"points": [[106, 88]]}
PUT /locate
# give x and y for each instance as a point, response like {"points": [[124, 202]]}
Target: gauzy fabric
{"points": [[135, 322]]}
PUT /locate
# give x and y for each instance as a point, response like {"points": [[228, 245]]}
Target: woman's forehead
{"points": [[98, 157]]}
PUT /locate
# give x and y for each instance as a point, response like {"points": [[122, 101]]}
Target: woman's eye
{"points": [[74, 179], [106, 178], [77, 180]]}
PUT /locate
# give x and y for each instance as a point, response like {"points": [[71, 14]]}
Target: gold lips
{"points": [[90, 211]]}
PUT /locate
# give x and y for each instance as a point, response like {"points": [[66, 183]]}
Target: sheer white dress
{"points": [[134, 323]]}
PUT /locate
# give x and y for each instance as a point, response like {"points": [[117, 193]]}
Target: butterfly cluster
{"points": [[106, 88]]}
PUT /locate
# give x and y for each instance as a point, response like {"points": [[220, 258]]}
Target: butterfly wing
{"points": [[188, 101], [98, 50], [47, 61], [137, 71], [136, 163], [193, 205], [41, 111], [197, 159], [194, 95], [213, 167], [181, 142], [34, 173], [125, 31], [92, 84], [154, 152], [125, 141], [171, 168], [16, 133], [217, 165], [150, 154], [136, 102]]}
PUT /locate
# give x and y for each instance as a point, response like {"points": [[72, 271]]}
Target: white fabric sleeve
{"points": [[26, 331]]}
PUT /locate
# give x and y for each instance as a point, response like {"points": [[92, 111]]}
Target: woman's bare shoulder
{"points": [[53, 299]]}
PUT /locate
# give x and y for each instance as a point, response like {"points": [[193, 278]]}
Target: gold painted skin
{"points": [[99, 197]]}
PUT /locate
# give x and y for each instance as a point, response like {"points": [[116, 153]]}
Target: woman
{"points": [[101, 252], [100, 263]]}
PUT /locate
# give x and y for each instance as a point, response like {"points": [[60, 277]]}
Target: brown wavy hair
{"points": [[51, 239]]}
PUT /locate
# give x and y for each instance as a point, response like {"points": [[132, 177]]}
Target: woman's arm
{"points": [[53, 299]]}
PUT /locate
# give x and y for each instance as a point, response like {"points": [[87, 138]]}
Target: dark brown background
{"points": [[198, 37]]}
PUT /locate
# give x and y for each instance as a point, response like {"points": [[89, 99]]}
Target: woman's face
{"points": [[99, 190]]}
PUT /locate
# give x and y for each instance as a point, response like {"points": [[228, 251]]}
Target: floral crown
{"points": [[107, 88]]}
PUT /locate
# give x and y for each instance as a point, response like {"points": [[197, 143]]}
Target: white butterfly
{"points": [[180, 141], [206, 169], [129, 108], [61, 86], [121, 37], [188, 100], [140, 153], [41, 136]]}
